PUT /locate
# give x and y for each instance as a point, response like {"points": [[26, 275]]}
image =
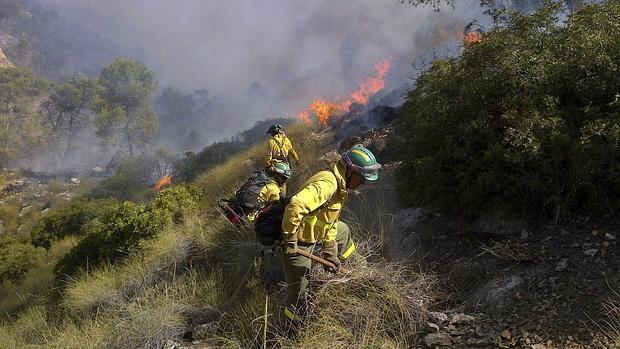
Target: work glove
{"points": [[290, 248], [330, 254]]}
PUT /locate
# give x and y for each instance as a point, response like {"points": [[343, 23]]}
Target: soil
{"points": [[518, 284]]}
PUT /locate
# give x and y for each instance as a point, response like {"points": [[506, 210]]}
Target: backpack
{"points": [[247, 196], [268, 222]]}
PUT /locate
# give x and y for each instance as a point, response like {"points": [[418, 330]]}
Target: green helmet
{"points": [[282, 168], [362, 161], [274, 129]]}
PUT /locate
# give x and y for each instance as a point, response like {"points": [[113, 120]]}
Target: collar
{"points": [[339, 170]]}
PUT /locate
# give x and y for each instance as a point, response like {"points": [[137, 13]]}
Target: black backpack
{"points": [[268, 222], [247, 196]]}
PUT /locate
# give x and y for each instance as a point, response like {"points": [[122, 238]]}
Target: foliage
{"points": [[69, 221], [258, 132], [193, 164], [120, 231], [20, 127], [182, 115], [133, 177], [67, 111], [527, 120], [124, 115], [15, 258]]}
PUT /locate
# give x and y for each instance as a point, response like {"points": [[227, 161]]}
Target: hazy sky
{"points": [[295, 50]]}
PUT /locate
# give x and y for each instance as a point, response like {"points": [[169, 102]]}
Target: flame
{"points": [[162, 183], [366, 88], [472, 37]]}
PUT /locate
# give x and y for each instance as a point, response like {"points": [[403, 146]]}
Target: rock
{"points": [[97, 169], [170, 344], [25, 211], [44, 211], [438, 318], [75, 181], [506, 334], [462, 319], [22, 230], [440, 339], [609, 237], [562, 265], [591, 252], [431, 327], [204, 331], [4, 62], [330, 157], [494, 291]]}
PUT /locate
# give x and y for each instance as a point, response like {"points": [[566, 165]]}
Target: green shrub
{"points": [[527, 120], [121, 230], [134, 177], [194, 164], [15, 259], [69, 221]]}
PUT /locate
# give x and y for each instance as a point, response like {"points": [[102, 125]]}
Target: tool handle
{"points": [[322, 261]]}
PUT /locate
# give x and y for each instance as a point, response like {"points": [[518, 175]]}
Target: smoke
{"points": [[262, 59]]}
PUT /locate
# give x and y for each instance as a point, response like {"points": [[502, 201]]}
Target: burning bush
{"points": [[527, 120]]}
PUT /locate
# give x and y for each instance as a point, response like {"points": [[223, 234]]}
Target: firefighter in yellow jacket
{"points": [[279, 147], [312, 217]]}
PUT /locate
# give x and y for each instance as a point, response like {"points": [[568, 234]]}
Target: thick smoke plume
{"points": [[266, 58]]}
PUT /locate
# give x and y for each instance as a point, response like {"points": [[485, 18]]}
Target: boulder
{"points": [[438, 340]]}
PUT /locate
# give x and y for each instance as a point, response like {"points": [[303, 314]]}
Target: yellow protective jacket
{"points": [[278, 148], [326, 193], [269, 193]]}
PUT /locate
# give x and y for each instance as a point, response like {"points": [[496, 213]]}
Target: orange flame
{"points": [[163, 182], [472, 37], [367, 87]]}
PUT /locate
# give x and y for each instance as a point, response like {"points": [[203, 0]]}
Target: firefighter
{"points": [[312, 217], [262, 187], [279, 147]]}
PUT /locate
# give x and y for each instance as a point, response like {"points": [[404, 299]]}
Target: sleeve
{"points": [[269, 193], [309, 198], [272, 148], [292, 150]]}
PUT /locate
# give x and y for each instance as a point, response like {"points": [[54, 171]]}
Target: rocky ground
{"points": [[24, 197], [546, 286]]}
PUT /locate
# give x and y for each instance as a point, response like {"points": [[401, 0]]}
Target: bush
{"points": [[69, 221], [15, 259], [133, 178], [120, 231], [527, 120], [193, 165]]}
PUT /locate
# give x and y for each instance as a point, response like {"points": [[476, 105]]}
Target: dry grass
{"points": [[611, 327], [9, 214], [505, 250], [209, 264], [223, 180]]}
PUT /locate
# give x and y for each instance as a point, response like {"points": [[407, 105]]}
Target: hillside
{"points": [[493, 223]]}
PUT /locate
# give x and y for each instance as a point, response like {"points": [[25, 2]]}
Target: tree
{"points": [[67, 111], [20, 126], [124, 114], [525, 121]]}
